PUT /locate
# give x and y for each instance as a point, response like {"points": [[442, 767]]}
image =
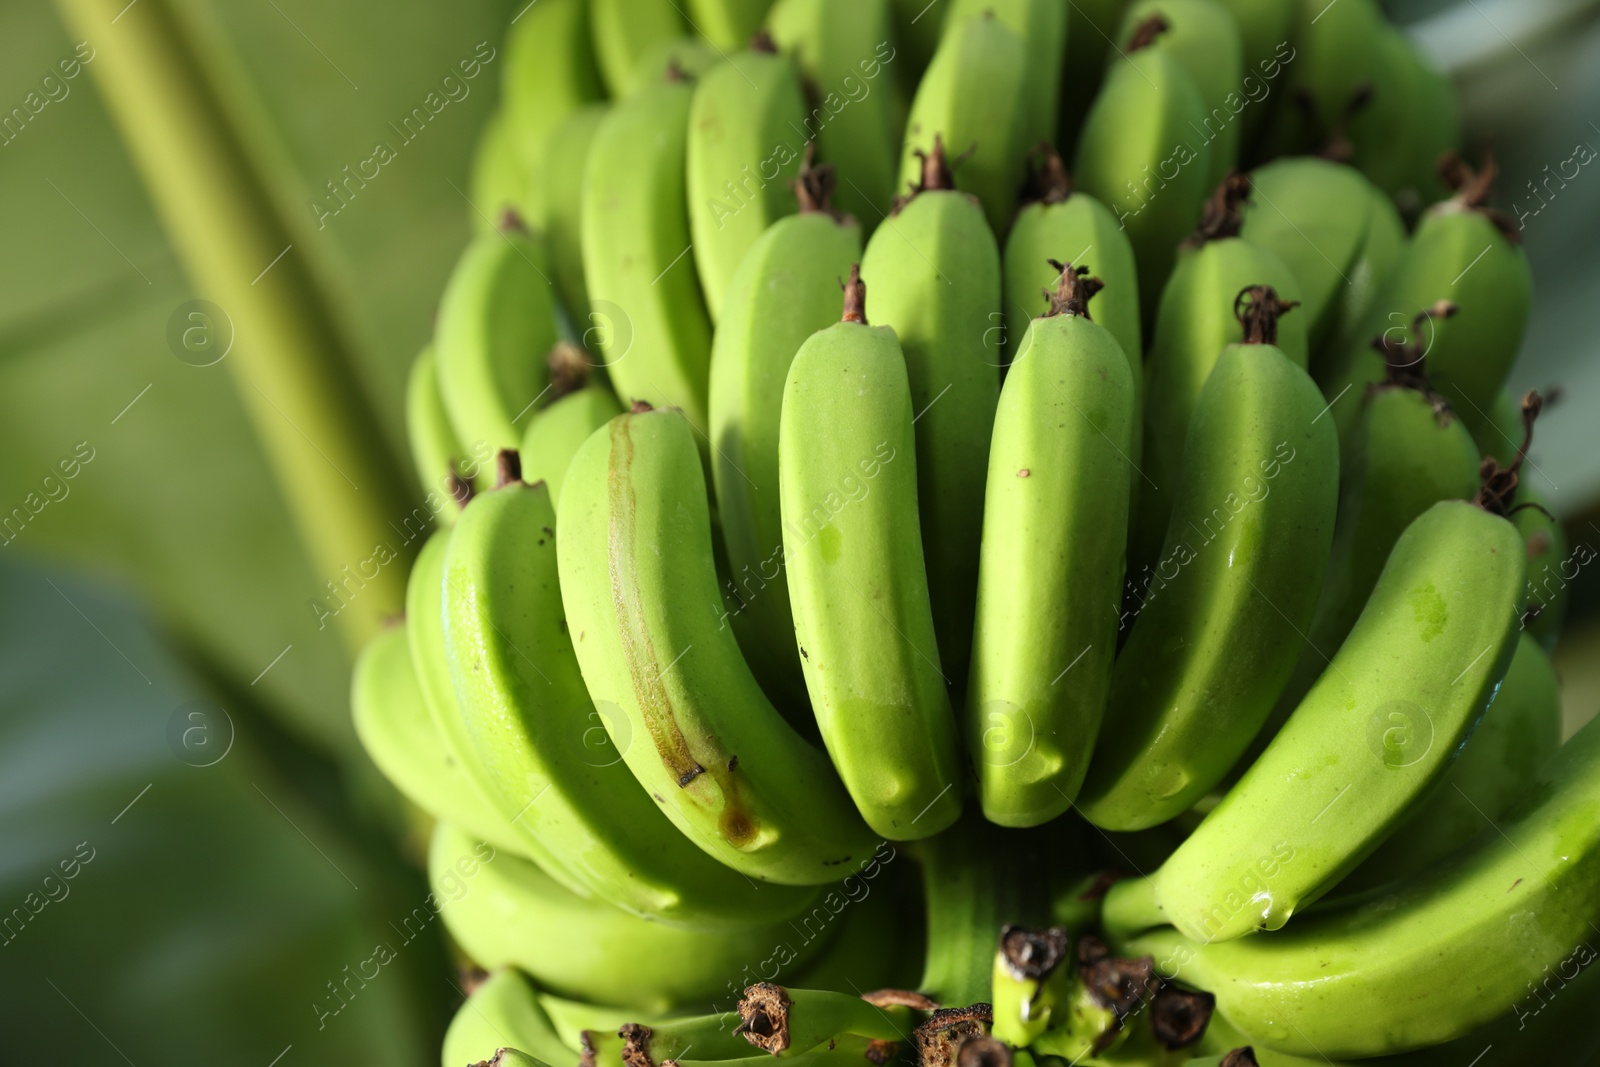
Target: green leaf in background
{"points": [[164, 895]]}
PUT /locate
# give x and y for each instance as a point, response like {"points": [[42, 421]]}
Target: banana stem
{"points": [[292, 368]]}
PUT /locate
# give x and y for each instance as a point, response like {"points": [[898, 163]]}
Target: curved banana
{"points": [[434, 447], [652, 327], [1194, 323], [847, 57], [1204, 38], [786, 289], [1246, 548], [1380, 726], [975, 97], [1467, 255], [1042, 27], [568, 148], [581, 405], [640, 589], [397, 731], [538, 735], [744, 106], [505, 911], [503, 1012], [548, 72], [728, 24], [857, 584], [1060, 223], [1054, 541], [1437, 957], [1519, 732], [496, 321], [624, 31], [934, 278], [1139, 155]]}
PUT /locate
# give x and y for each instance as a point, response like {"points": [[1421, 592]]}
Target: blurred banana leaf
{"points": [[165, 896]]}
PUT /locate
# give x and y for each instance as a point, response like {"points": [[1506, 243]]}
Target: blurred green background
{"points": [[163, 590]]}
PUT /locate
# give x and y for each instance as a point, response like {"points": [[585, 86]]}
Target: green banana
{"points": [[1382, 724], [917, 29], [499, 177], [848, 1051], [1437, 957], [568, 148], [877, 944], [1139, 156], [572, 1017], [689, 57], [1042, 27], [434, 447], [1519, 733], [1090, 26], [503, 1012], [1381, 249], [640, 590], [1207, 656], [842, 48], [1195, 322], [742, 108], [789, 1022], [975, 97], [536, 733], [934, 276], [727, 24], [581, 405], [1314, 215], [1203, 37], [1410, 121], [857, 585], [657, 339], [1058, 222], [549, 72], [708, 1037], [497, 319], [623, 33], [505, 911], [1465, 254], [1266, 43], [1338, 53], [785, 290], [397, 731], [1408, 452], [1052, 552]]}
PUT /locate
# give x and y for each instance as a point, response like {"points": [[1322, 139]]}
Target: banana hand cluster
{"points": [[894, 596]]}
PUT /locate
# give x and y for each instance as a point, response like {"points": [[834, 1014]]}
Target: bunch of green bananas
{"points": [[894, 598]]}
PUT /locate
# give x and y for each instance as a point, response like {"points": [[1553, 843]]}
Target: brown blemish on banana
{"points": [[1145, 34], [1258, 309], [900, 998], [764, 1017], [938, 1039], [734, 823], [881, 1051], [1179, 1018], [1073, 290]]}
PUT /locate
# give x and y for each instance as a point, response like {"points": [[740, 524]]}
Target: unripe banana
{"points": [[975, 97], [499, 177], [1139, 156], [1518, 734], [1061, 223], [496, 322], [934, 278], [1398, 136], [1042, 27], [708, 1037], [1195, 322], [842, 48], [1267, 36], [857, 582], [1054, 541], [789, 1022], [727, 24], [1338, 52], [549, 72], [395, 728], [690, 57], [568, 151], [534, 729], [1465, 254], [434, 447], [624, 31], [1215, 642], [1408, 452], [505, 911], [875, 941], [640, 589], [1091, 25], [1437, 957], [1203, 37], [786, 289], [657, 344], [742, 108], [581, 405], [503, 1011], [1377, 730]]}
